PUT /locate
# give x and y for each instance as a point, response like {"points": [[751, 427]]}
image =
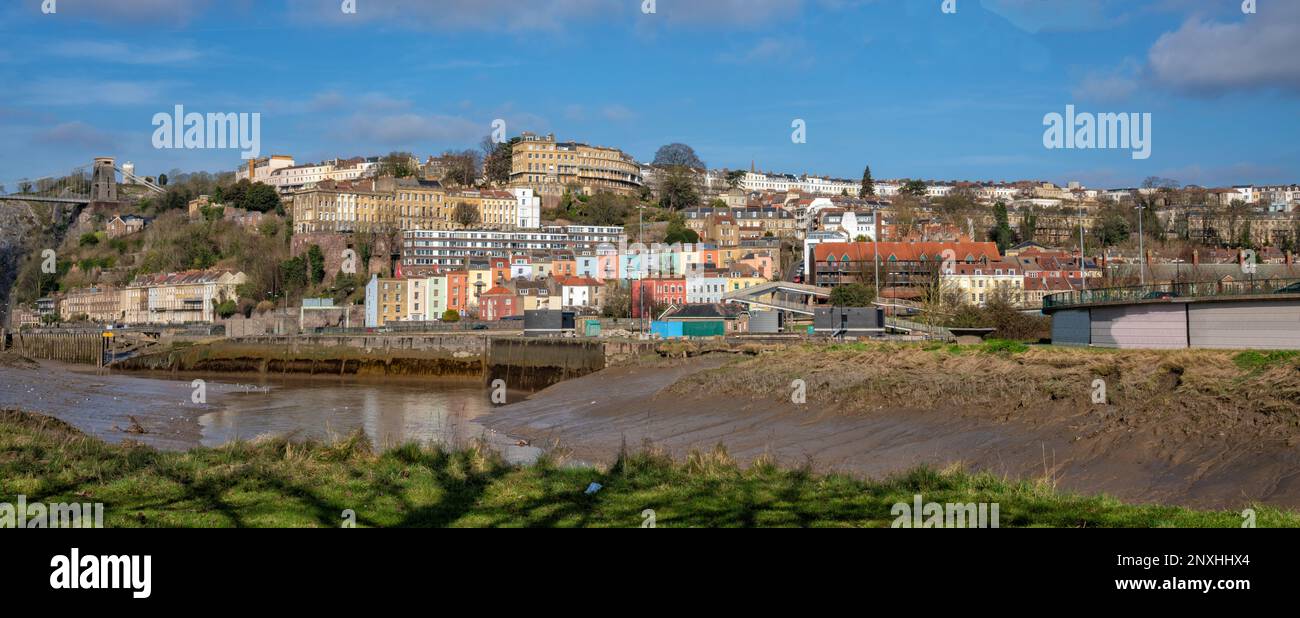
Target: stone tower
{"points": [[103, 183]]}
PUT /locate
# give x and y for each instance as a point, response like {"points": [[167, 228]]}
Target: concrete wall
{"points": [[1254, 325], [1155, 327], [1257, 325], [1072, 327]]}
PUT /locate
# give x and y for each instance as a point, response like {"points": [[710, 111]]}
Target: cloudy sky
{"points": [[897, 84]]}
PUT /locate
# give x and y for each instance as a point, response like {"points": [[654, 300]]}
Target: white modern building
{"points": [[705, 289], [529, 209], [781, 183]]}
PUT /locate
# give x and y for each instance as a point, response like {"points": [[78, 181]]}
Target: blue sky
{"points": [[896, 84]]}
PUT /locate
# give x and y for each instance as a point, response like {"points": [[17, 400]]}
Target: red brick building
{"points": [[499, 302], [648, 294]]}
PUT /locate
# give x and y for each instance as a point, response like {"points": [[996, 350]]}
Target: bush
{"points": [[227, 309], [450, 315]]}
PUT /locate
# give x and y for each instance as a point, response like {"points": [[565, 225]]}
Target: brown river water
{"points": [[391, 412]]}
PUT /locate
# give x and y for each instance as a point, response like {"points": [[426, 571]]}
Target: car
{"points": [[1294, 288], [479, 327], [1160, 295]]}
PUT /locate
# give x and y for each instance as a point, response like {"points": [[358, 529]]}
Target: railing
{"points": [[1168, 291]]}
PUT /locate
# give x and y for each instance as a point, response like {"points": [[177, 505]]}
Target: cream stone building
{"points": [[101, 304], [179, 298], [549, 167]]}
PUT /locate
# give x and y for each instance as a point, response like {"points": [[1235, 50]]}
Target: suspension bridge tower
{"points": [[103, 181]]}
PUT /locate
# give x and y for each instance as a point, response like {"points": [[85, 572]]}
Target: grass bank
{"points": [[275, 483]]}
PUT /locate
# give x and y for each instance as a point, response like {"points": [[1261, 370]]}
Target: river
{"points": [[392, 412]]}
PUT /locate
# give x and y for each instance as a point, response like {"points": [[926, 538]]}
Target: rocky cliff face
{"points": [[20, 222]]}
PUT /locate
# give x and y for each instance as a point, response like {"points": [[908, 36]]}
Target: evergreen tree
{"points": [[868, 185]]}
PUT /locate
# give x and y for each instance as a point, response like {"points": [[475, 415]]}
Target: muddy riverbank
{"points": [[1167, 458], [160, 409]]}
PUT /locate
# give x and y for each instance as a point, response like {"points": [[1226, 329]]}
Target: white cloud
{"points": [[123, 53], [1058, 15], [132, 11], [1109, 86], [1208, 57], [73, 91], [771, 50], [617, 113], [77, 134]]}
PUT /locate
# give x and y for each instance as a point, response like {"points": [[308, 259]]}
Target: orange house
{"points": [[499, 268], [563, 266], [458, 291], [710, 256]]}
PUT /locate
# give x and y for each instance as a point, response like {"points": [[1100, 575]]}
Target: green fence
{"points": [[1167, 291]]}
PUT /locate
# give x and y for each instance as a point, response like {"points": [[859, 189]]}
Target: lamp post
{"points": [[1142, 268], [875, 246], [1083, 273]]}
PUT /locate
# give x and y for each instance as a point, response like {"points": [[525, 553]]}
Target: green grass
{"points": [[1259, 360], [276, 483]]}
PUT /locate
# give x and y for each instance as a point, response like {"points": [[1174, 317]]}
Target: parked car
{"points": [[1294, 288], [1160, 295]]}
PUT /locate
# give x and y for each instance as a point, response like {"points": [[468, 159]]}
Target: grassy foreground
{"points": [[275, 483]]}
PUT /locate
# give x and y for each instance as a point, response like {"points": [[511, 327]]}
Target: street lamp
{"points": [[1083, 272], [875, 245], [1142, 268]]}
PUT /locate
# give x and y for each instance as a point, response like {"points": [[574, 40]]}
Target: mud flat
{"points": [[159, 409], [1195, 429]]}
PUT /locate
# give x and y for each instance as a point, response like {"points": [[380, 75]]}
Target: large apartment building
{"points": [[389, 205], [445, 250], [549, 167]]}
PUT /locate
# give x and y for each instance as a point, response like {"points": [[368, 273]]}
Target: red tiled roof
{"points": [[907, 251]]}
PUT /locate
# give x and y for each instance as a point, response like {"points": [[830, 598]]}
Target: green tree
{"points": [[734, 177], [1028, 227], [915, 188], [852, 295], [316, 258], [261, 197], [226, 309], [679, 233], [868, 185], [677, 191], [1001, 232], [450, 315], [1112, 230]]}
